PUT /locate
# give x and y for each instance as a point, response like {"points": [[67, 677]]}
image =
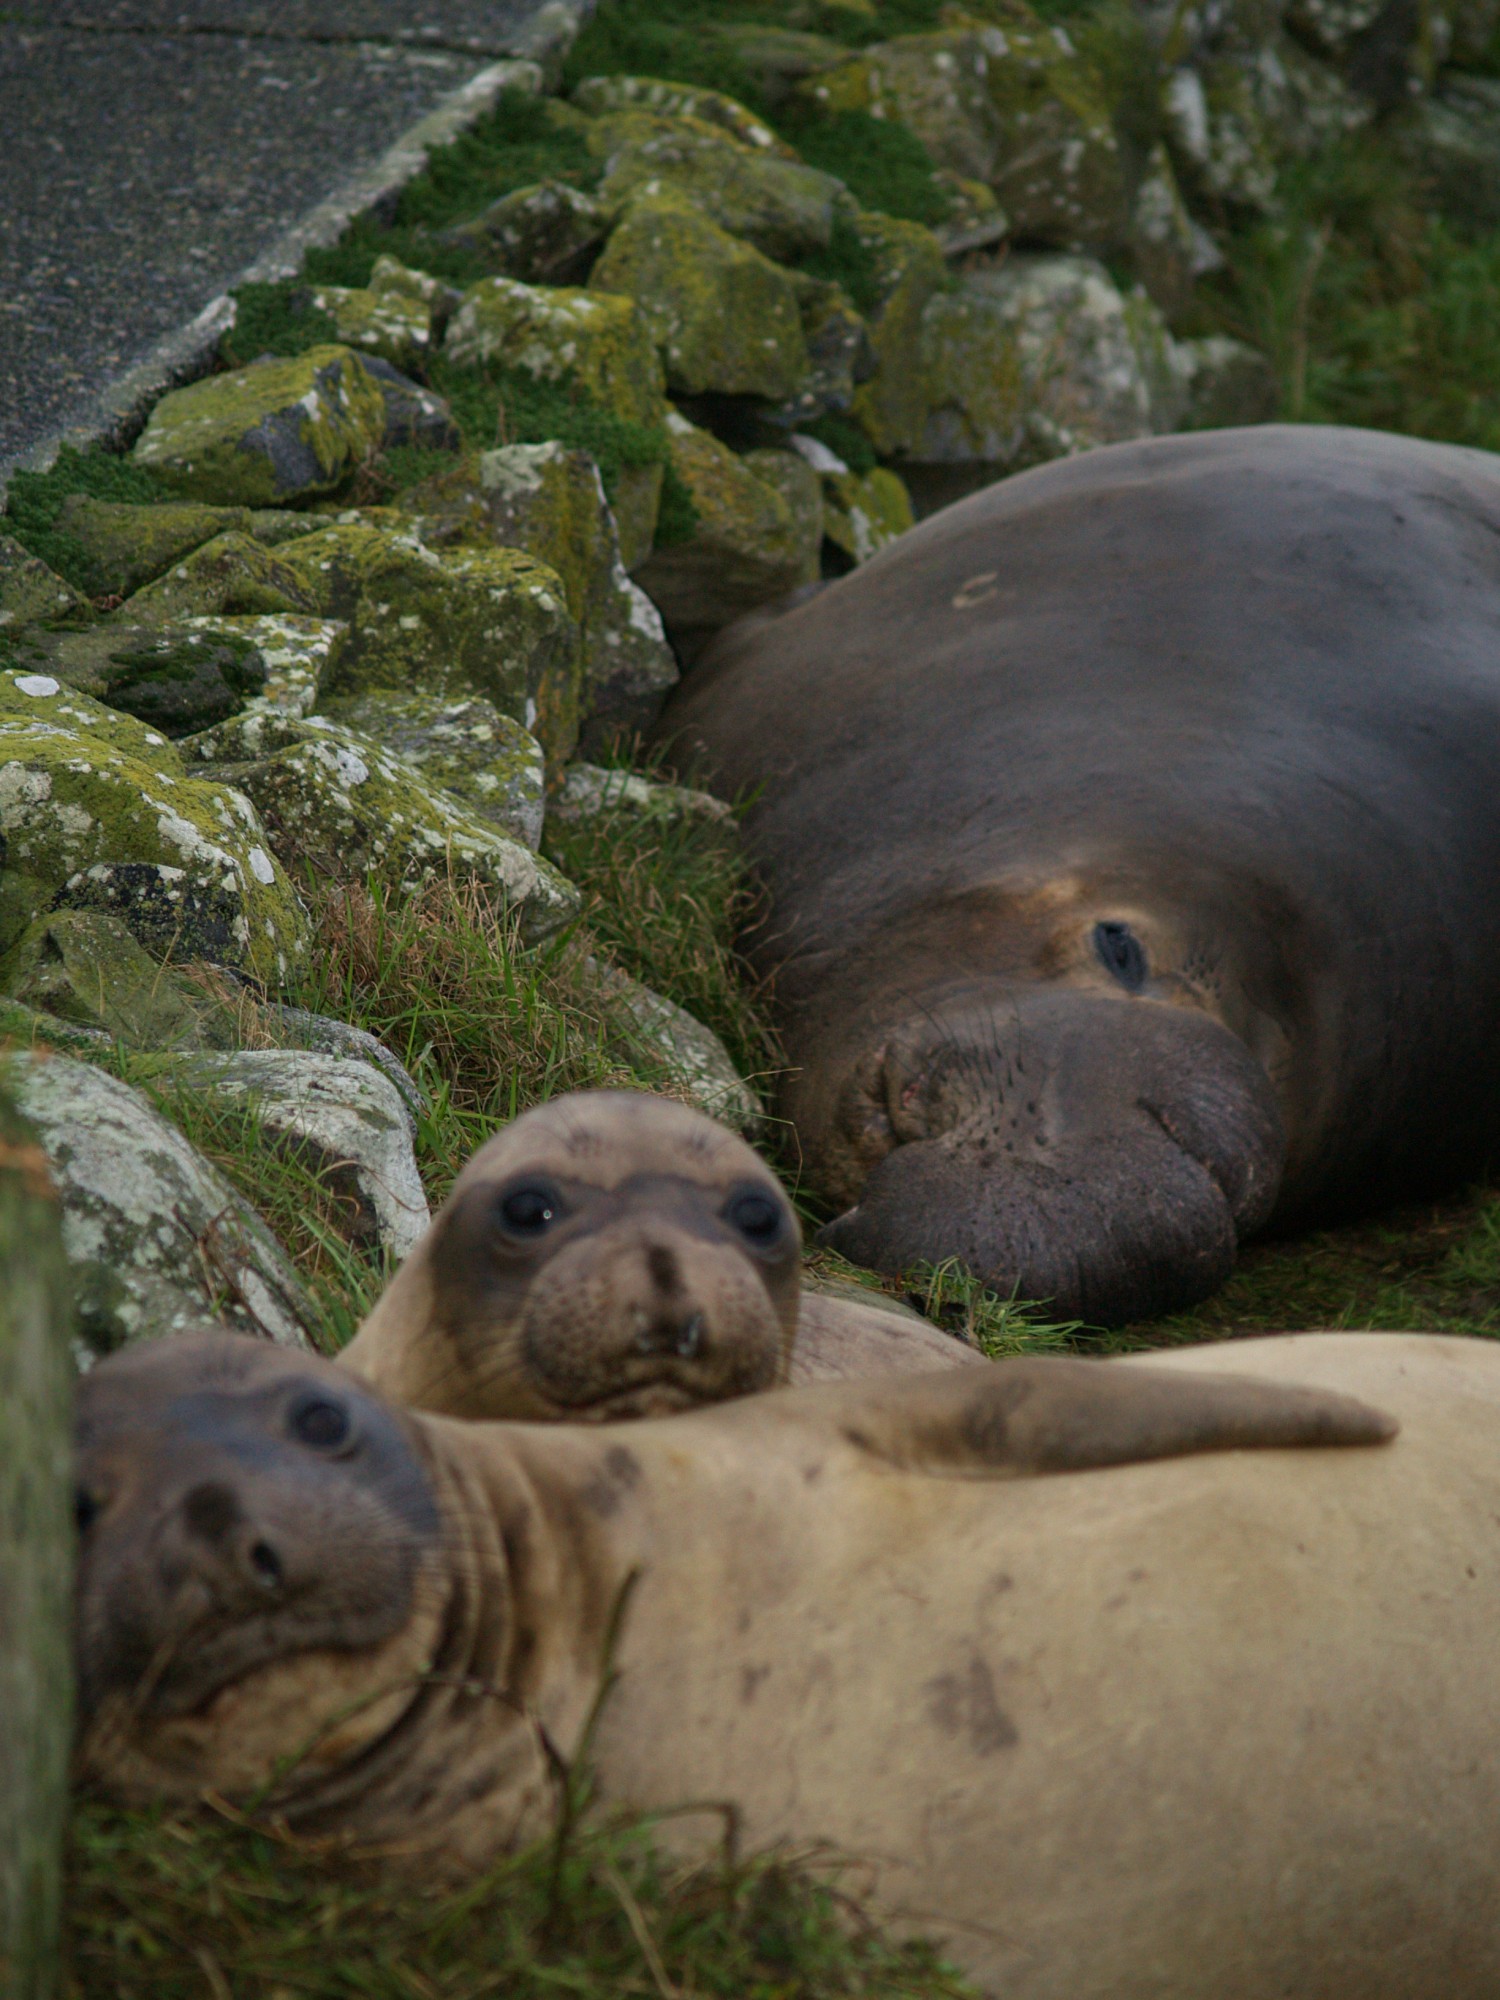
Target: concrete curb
{"points": [[119, 410]]}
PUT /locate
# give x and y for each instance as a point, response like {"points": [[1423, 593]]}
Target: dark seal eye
{"points": [[530, 1209], [320, 1423], [1122, 954], [85, 1509], [757, 1216]]}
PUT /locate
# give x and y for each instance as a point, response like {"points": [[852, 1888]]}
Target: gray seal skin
{"points": [[1114, 1674], [1132, 831], [615, 1254]]}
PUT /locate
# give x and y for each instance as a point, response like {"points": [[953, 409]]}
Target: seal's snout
{"points": [[237, 1506]]}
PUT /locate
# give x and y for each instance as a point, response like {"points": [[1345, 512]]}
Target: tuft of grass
{"points": [[669, 905], [883, 165], [964, 1306], [848, 262], [35, 500], [277, 318], [167, 1906]]}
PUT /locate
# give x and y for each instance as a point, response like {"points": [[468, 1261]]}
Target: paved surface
{"points": [[150, 152]]}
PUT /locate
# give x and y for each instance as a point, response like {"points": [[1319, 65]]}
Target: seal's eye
{"points": [[85, 1509], [320, 1423], [1121, 953], [756, 1216], [531, 1209]]}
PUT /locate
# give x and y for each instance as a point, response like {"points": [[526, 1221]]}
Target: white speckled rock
{"points": [[299, 653], [334, 799], [693, 1054], [587, 790], [339, 1114], [157, 1239], [98, 812], [467, 748]]}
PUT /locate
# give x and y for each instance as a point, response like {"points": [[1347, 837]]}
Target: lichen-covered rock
{"points": [[1036, 358], [336, 801], [1233, 118], [839, 352], [1168, 249], [910, 269], [545, 234], [1452, 139], [936, 85], [234, 573], [588, 791], [862, 511], [298, 654], [600, 95], [486, 759], [413, 415], [85, 969], [33, 594], [693, 1056], [156, 1239], [296, 1028], [1224, 383], [595, 339], [452, 622], [779, 58], [725, 319], [783, 208], [795, 480], [175, 679], [745, 548], [98, 812], [975, 220], [390, 278], [275, 431], [126, 546], [274, 525], [336, 1114], [387, 323], [549, 500]]}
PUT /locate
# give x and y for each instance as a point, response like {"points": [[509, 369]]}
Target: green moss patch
{"points": [[35, 502]]}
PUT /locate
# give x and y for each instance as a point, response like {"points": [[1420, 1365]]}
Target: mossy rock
{"points": [[936, 85], [1225, 383], [545, 234], [745, 549], [98, 812], [387, 323], [492, 622], [600, 95], [234, 573], [695, 1059], [299, 654], [85, 969], [157, 1240], [337, 802], [175, 679], [390, 278], [789, 474], [840, 353], [891, 407], [785, 209], [778, 58], [599, 341], [549, 500], [275, 431], [1036, 358], [125, 546], [865, 511], [33, 594], [468, 748], [725, 319], [589, 791], [1167, 247]]}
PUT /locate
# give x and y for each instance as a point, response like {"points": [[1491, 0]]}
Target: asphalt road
{"points": [[151, 150]]}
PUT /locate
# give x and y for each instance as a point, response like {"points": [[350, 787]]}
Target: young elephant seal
{"points": [[613, 1254], [1119, 1724]]}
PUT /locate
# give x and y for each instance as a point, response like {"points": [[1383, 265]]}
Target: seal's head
{"points": [[259, 1564], [608, 1255]]}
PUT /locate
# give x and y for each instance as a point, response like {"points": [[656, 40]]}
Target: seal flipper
{"points": [[1046, 1414]]}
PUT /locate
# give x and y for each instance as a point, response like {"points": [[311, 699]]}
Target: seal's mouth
{"points": [[650, 1399]]}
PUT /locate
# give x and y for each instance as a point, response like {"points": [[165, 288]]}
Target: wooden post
{"points": [[36, 1561]]}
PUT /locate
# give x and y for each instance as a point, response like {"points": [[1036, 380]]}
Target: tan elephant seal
{"points": [[1116, 1724], [612, 1254]]}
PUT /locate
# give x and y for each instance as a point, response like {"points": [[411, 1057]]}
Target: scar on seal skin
{"points": [[613, 1254], [1239, 1681]]}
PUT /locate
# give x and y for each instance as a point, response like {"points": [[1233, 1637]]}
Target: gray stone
{"points": [[338, 1115], [546, 234], [299, 654], [589, 790], [157, 1239], [468, 748], [695, 1059], [296, 1028], [33, 594]]}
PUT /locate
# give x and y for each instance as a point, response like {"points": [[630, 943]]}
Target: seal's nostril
{"points": [[266, 1565]]}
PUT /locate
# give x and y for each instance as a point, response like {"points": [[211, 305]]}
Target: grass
{"points": [[163, 1907]]}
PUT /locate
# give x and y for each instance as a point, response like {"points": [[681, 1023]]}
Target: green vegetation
{"points": [[172, 1908], [35, 500]]}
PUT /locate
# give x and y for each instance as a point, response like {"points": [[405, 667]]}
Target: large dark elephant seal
{"points": [[1132, 831], [612, 1254], [1118, 1724]]}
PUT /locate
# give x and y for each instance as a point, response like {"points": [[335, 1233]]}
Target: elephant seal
{"points": [[1116, 1724], [1132, 834], [612, 1254]]}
